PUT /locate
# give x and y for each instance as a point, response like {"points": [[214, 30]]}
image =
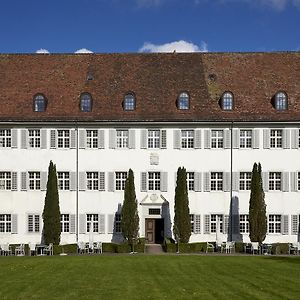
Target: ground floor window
{"points": [[5, 223], [65, 222], [92, 224], [214, 222], [33, 223], [274, 224], [244, 223], [118, 228]]}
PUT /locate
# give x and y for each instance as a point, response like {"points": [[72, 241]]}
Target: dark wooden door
{"points": [[150, 231]]}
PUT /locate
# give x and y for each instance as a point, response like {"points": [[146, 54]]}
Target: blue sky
{"points": [[66, 26]]}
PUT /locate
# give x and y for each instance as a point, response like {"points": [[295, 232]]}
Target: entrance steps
{"points": [[154, 249]]}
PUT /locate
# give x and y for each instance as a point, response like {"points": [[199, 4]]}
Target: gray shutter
{"points": [[72, 139], [236, 138], [285, 181], [294, 181], [14, 138], [23, 181], [163, 181], [14, 223], [44, 181], [111, 221], [112, 139], [177, 139], [131, 139], [101, 139], [53, 138], [227, 139], [24, 138], [265, 179], [226, 181], [82, 181], [82, 138], [14, 181], [197, 181], [294, 224], [144, 138], [101, 223], [197, 141], [266, 138], [255, 138], [43, 138], [235, 224], [225, 223], [101, 181], [206, 224], [72, 181], [163, 139], [207, 143], [143, 181], [197, 224], [206, 181], [73, 223], [285, 224], [235, 181], [295, 138], [286, 139], [111, 181], [82, 223]]}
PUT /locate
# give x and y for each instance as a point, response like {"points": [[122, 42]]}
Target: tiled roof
{"points": [[156, 80]]}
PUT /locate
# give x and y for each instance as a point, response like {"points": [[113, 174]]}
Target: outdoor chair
{"points": [[6, 249], [32, 249], [230, 247], [90, 246], [255, 247], [81, 247], [48, 250], [20, 250], [98, 247], [210, 246], [294, 247]]}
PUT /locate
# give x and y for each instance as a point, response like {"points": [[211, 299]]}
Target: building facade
{"points": [[97, 115]]}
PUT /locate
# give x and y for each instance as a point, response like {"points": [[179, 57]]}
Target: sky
{"points": [[105, 26]]}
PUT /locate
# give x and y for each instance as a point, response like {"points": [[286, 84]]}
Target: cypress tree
{"points": [[182, 222], [51, 213], [257, 207], [129, 215]]}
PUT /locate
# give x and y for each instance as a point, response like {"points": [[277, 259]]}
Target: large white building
{"points": [[97, 115]]}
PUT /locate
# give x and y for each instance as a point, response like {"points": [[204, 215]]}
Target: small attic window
{"points": [[227, 101], [89, 77], [39, 103], [129, 102], [85, 102], [281, 102], [183, 101]]}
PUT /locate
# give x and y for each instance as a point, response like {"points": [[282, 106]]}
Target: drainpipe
{"points": [[231, 167], [77, 215]]}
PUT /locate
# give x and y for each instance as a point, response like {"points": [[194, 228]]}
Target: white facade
{"points": [[95, 155]]}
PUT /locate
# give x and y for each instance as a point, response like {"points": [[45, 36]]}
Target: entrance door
{"points": [[150, 230]]}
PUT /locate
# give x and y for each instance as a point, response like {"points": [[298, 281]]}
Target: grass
{"points": [[150, 277]]}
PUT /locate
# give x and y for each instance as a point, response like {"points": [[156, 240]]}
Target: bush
{"points": [[239, 247], [280, 248], [68, 249], [171, 247]]}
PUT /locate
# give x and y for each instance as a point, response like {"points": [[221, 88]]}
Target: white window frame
{"points": [[34, 180], [275, 181], [245, 181], [34, 138], [63, 179], [91, 138], [213, 223], [274, 224], [5, 181], [217, 139], [129, 102], [122, 138], [187, 138], [227, 101], [281, 102], [33, 223], [65, 223], [92, 220], [120, 180], [216, 181], [154, 181], [244, 223], [118, 228], [63, 138], [5, 223], [276, 138], [92, 181], [246, 137], [5, 138], [190, 181], [153, 139], [183, 101]]}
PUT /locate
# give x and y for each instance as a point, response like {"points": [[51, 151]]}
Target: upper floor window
{"points": [[85, 102], [5, 138], [92, 138], [245, 138], [34, 136], [63, 140], [216, 181], [129, 102], [281, 101], [63, 179], [183, 101], [217, 138], [5, 223], [187, 138], [276, 138], [39, 103], [122, 138], [227, 101], [5, 181]]}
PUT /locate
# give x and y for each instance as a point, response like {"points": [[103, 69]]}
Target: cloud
{"points": [[42, 51], [178, 46], [83, 50]]}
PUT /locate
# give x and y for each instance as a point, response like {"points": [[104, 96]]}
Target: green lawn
{"points": [[150, 277]]}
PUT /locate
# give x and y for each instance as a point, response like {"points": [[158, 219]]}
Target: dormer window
{"points": [[85, 102], [39, 103], [129, 102], [183, 101], [227, 101], [281, 101]]}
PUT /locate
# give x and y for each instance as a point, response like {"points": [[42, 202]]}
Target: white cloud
{"points": [[83, 50], [178, 46], [42, 51]]}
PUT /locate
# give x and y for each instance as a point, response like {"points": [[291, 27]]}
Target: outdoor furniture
{"points": [[48, 250], [230, 247], [255, 247], [20, 250], [81, 248], [98, 247], [6, 249], [210, 246], [32, 249], [266, 249], [294, 247], [90, 246]]}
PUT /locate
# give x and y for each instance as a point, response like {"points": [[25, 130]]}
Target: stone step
{"points": [[154, 249]]}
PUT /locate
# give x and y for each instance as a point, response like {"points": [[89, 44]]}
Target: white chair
{"points": [[210, 246], [48, 250], [98, 247], [81, 247], [20, 250], [32, 249], [91, 247], [230, 247], [294, 247], [255, 247], [6, 249]]}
